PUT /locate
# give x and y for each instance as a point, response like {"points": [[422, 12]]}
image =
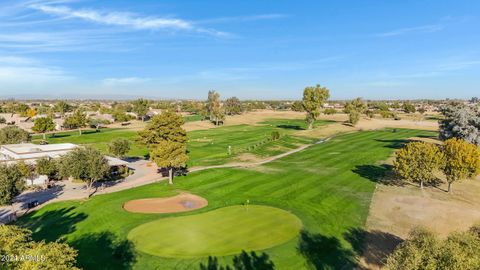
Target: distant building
{"points": [[30, 153]]}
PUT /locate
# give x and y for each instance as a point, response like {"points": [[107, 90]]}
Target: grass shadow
{"points": [[373, 246], [323, 252], [294, 127], [60, 135], [382, 174], [395, 144], [104, 251], [52, 225]]}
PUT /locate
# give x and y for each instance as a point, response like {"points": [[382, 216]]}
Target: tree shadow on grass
{"points": [[104, 251], [52, 225], [373, 246], [323, 252], [242, 261], [294, 127], [395, 144], [379, 174]]}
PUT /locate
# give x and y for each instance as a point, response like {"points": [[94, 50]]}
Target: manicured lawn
{"points": [[328, 187], [221, 232], [99, 139], [210, 147], [206, 147], [192, 118]]}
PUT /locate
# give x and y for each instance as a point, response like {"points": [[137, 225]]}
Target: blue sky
{"points": [[265, 49]]}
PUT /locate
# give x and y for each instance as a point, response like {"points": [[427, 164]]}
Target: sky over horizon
{"points": [[251, 49]]}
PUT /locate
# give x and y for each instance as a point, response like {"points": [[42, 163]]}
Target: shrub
{"points": [[275, 135], [13, 135], [119, 147], [330, 111], [387, 114]]}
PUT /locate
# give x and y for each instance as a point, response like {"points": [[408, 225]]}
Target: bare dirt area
{"points": [[395, 210], [180, 203], [249, 118], [364, 124]]}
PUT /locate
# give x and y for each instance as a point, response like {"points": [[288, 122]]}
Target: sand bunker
{"points": [[180, 203]]}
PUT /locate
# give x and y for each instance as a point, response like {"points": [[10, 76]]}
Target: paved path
{"points": [[144, 173]]}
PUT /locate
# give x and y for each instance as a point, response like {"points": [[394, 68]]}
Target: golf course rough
{"points": [[221, 232]]}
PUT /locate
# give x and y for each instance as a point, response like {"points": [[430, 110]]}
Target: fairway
{"points": [[206, 147], [328, 186], [221, 232]]}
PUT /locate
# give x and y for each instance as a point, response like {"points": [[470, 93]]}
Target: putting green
{"points": [[221, 232]]}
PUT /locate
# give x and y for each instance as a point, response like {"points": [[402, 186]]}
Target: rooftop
{"points": [[30, 148]]}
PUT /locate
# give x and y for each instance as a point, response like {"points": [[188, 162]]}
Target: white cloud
{"points": [[125, 19], [20, 72], [246, 18], [411, 30], [124, 81]]}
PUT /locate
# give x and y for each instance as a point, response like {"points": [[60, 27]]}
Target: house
{"points": [[30, 153]]}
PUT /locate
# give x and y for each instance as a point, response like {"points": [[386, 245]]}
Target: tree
{"points": [[12, 182], [119, 147], [22, 109], [233, 106], [329, 111], [354, 109], [170, 155], [462, 122], [297, 106], [77, 120], [462, 160], [31, 112], [13, 135], [17, 242], [423, 250], [43, 125], [214, 108], [86, 164], [417, 252], [26, 170], [121, 116], [140, 107], [48, 167], [408, 107], [357, 105], [62, 107], [353, 117], [218, 116], [313, 99], [417, 162], [166, 126], [422, 110], [461, 250]]}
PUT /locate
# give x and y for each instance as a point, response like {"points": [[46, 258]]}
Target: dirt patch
{"points": [[395, 210], [180, 203], [248, 157], [249, 118], [428, 140]]}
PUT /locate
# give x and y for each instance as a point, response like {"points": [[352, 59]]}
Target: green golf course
{"points": [[327, 187], [206, 147], [221, 232]]}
